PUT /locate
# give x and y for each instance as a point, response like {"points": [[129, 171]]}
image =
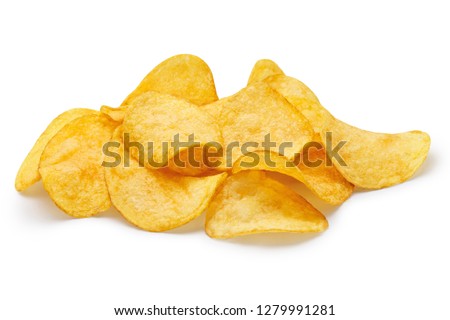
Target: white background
{"points": [[382, 66]]}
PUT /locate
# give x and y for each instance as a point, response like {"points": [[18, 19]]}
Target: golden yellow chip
{"points": [[71, 166], [366, 159], [322, 179], [263, 68], [301, 97], [255, 115], [116, 114], [376, 160], [157, 199], [249, 203], [185, 76], [29, 170], [165, 125]]}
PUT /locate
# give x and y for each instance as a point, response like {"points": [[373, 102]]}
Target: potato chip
{"points": [[322, 179], [71, 167], [249, 203], [116, 114], [263, 68], [251, 115], [157, 199], [29, 170], [301, 97], [370, 160], [160, 119], [185, 76], [376, 160]]}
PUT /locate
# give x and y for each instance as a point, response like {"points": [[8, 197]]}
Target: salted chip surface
{"points": [[28, 173], [255, 113], [301, 97], [376, 160], [157, 199], [321, 178], [248, 203], [71, 166], [262, 69], [164, 120], [185, 76]]}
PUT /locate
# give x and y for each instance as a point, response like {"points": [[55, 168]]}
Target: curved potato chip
{"points": [[185, 76], [161, 119], [370, 160], [301, 97], [262, 69], [29, 170], [71, 166], [157, 200], [377, 160], [249, 203], [116, 114], [322, 179], [255, 112]]}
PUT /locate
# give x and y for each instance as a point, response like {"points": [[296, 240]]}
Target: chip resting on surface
{"points": [[185, 76], [252, 114], [367, 159], [262, 69], [322, 179], [71, 166], [161, 119], [29, 171], [157, 199], [249, 202], [377, 160]]}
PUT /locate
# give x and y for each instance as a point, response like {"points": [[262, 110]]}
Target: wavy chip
{"points": [[313, 171], [376, 160], [367, 159], [253, 113], [161, 119], [185, 76], [262, 69], [249, 203], [29, 170], [71, 166], [157, 199]]}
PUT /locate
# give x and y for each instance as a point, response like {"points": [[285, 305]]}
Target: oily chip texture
{"points": [[376, 160], [185, 76], [253, 113], [301, 97], [160, 119], [249, 203], [71, 166], [262, 69], [157, 199], [29, 170], [321, 178]]}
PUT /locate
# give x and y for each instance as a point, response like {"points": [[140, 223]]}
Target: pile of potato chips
{"points": [[178, 99]]}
